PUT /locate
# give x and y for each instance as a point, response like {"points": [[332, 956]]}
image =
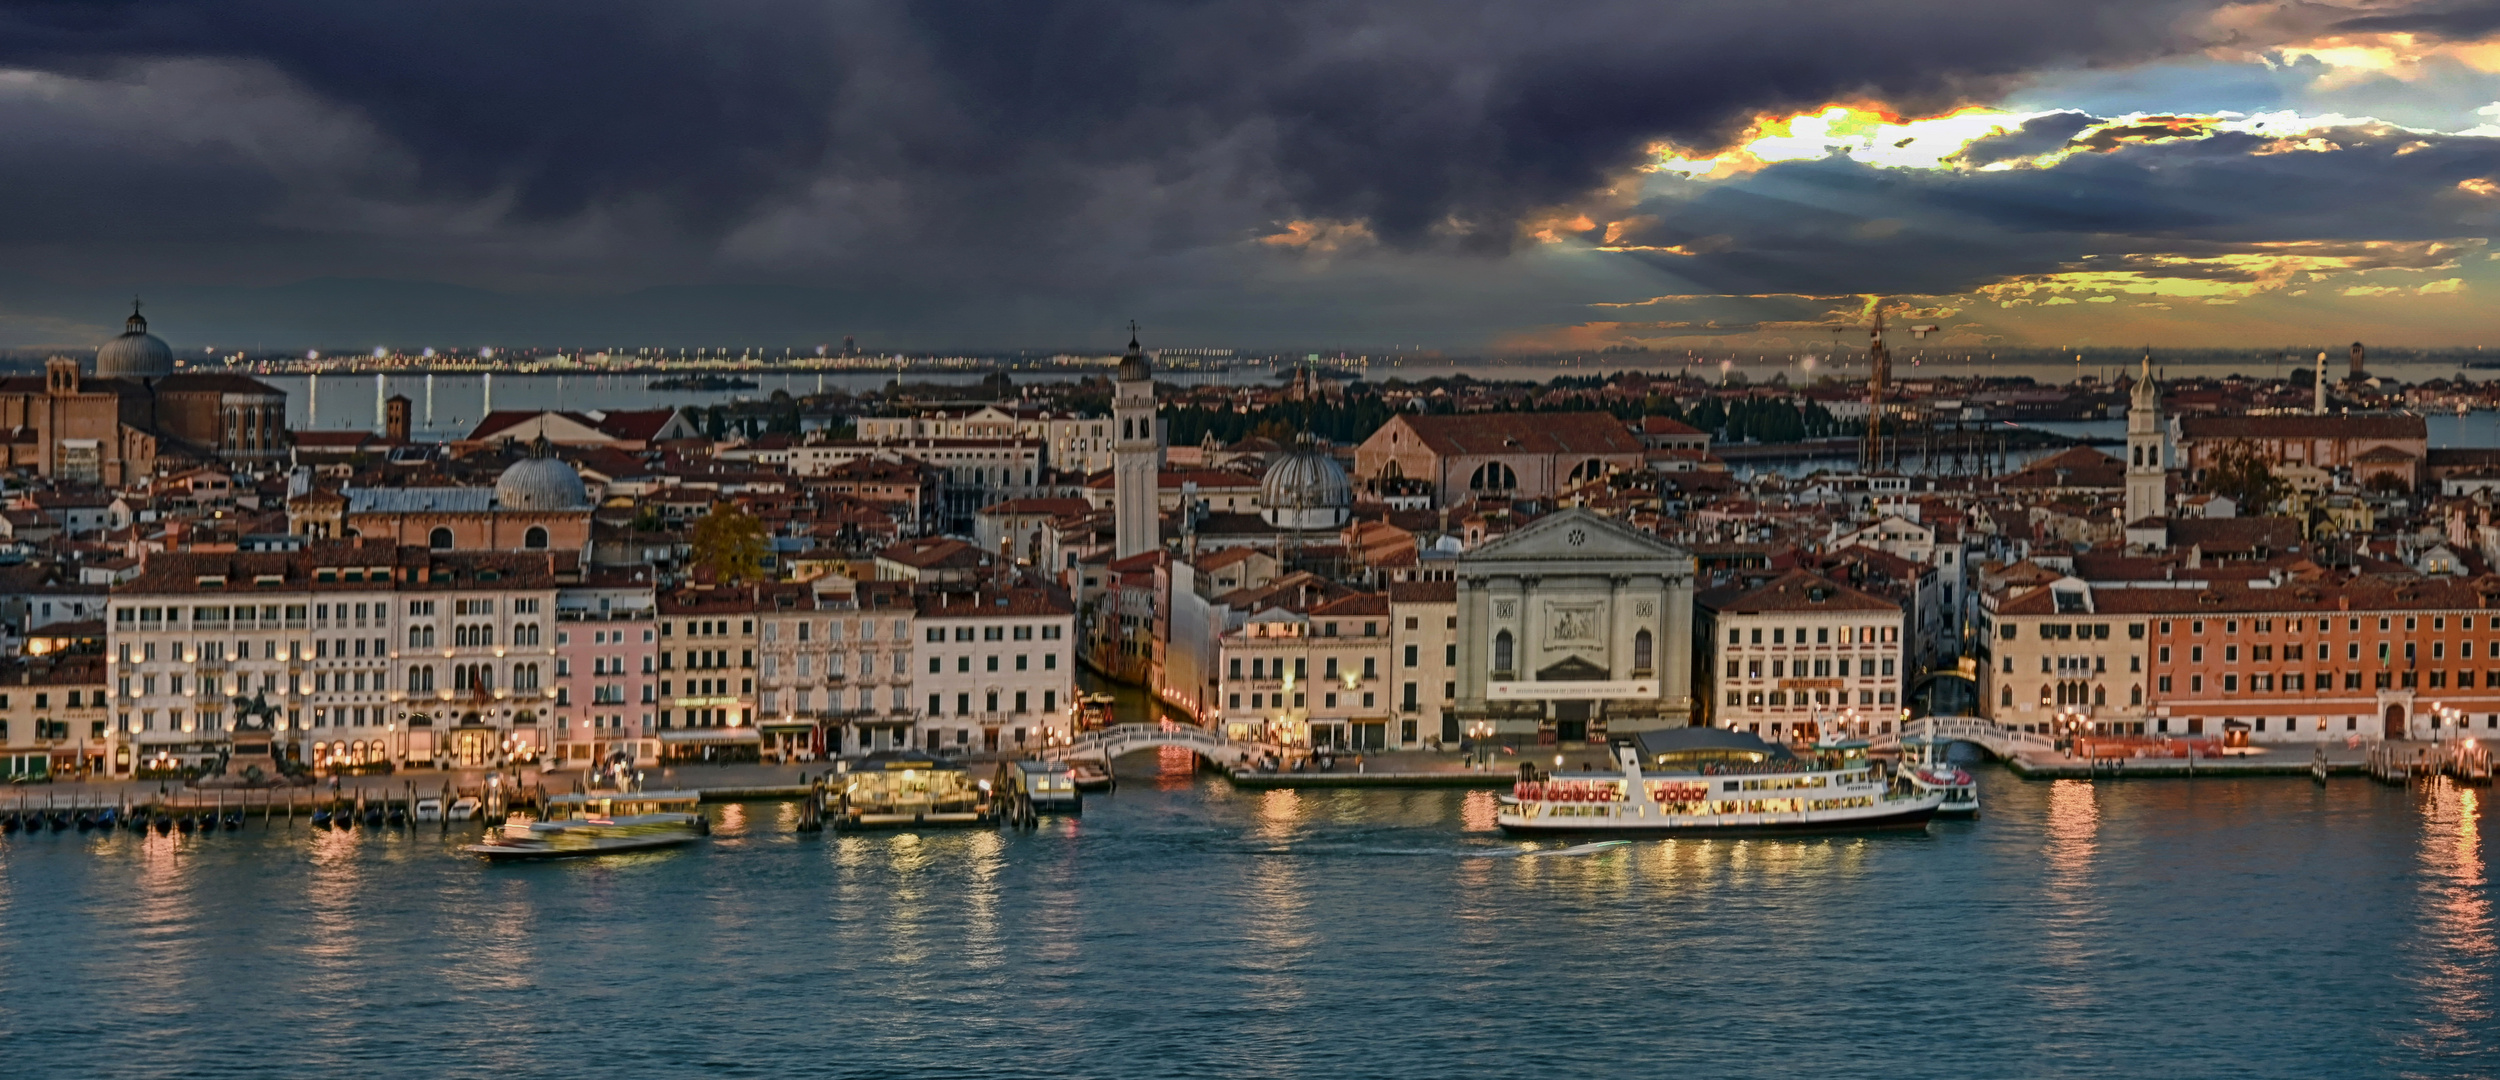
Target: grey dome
{"points": [[1135, 366], [541, 483], [136, 352], [1306, 489]]}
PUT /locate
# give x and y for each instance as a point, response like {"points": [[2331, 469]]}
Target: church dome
{"points": [[1306, 489], [541, 483], [1134, 367], [136, 352]]}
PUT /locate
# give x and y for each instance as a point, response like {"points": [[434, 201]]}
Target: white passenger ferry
{"points": [[600, 823], [1686, 781]]}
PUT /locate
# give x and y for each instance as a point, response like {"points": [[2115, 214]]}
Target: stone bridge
{"points": [[1998, 739], [1122, 739]]}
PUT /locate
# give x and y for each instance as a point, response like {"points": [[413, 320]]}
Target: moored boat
{"points": [[1924, 768], [599, 823], [1708, 781], [1090, 775]]}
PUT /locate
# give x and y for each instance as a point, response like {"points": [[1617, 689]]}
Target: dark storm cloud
{"points": [[2038, 135], [1835, 226], [1007, 147], [2472, 21]]}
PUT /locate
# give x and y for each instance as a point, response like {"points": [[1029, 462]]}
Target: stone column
{"points": [[1675, 640]]}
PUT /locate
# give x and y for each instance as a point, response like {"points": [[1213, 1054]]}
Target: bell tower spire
{"points": [[2148, 491]]}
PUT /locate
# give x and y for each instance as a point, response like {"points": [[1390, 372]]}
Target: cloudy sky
{"points": [[1469, 176]]}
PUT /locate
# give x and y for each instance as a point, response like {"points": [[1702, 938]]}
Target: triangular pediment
{"points": [[1573, 669], [1575, 535]]}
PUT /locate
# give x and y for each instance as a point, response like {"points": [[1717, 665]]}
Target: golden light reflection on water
{"points": [[1478, 812], [2073, 914], [1176, 768], [1280, 815], [2453, 970], [984, 946], [161, 920]]}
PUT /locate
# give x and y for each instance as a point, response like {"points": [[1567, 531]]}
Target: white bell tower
{"points": [[1136, 457], [2148, 492]]}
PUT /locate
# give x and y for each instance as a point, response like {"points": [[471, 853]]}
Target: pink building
{"points": [[606, 688]]}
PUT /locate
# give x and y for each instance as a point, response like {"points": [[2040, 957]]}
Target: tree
{"points": [[730, 542], [2243, 475]]}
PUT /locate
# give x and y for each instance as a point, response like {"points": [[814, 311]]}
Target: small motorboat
{"points": [[604, 823], [465, 808], [1089, 775], [429, 809]]}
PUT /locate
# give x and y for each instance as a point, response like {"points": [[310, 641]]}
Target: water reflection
{"points": [[2452, 968], [2073, 910]]}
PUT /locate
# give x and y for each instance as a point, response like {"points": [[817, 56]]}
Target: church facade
{"points": [[1573, 629]]}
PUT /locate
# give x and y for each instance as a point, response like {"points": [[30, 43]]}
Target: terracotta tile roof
{"points": [[1794, 591], [1524, 433]]}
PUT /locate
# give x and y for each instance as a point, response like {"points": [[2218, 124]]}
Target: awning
{"points": [[685, 736]]}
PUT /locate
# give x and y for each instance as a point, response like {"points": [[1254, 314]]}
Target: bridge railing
{"points": [[1111, 742], [1999, 739]]}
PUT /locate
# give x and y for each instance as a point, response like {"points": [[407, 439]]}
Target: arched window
{"points": [[1502, 651], [536, 538], [439, 539], [2005, 697], [2135, 695], [2100, 696], [1493, 476], [1588, 470], [1643, 647]]}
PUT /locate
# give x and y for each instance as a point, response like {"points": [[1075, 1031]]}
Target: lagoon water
{"points": [[1181, 928]]}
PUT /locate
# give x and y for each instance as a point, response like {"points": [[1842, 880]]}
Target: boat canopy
{"points": [[1685, 745]]}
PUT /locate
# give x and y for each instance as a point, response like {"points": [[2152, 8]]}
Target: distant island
{"points": [[703, 382]]}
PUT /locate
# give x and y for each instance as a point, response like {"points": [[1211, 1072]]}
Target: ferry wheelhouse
{"points": [[599, 823], [889, 791], [1685, 781]]}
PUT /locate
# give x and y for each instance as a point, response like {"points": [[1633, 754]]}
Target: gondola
{"points": [[107, 817], [397, 816], [234, 820], [59, 820], [321, 819], [373, 816], [183, 822], [8, 821], [164, 823]]}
